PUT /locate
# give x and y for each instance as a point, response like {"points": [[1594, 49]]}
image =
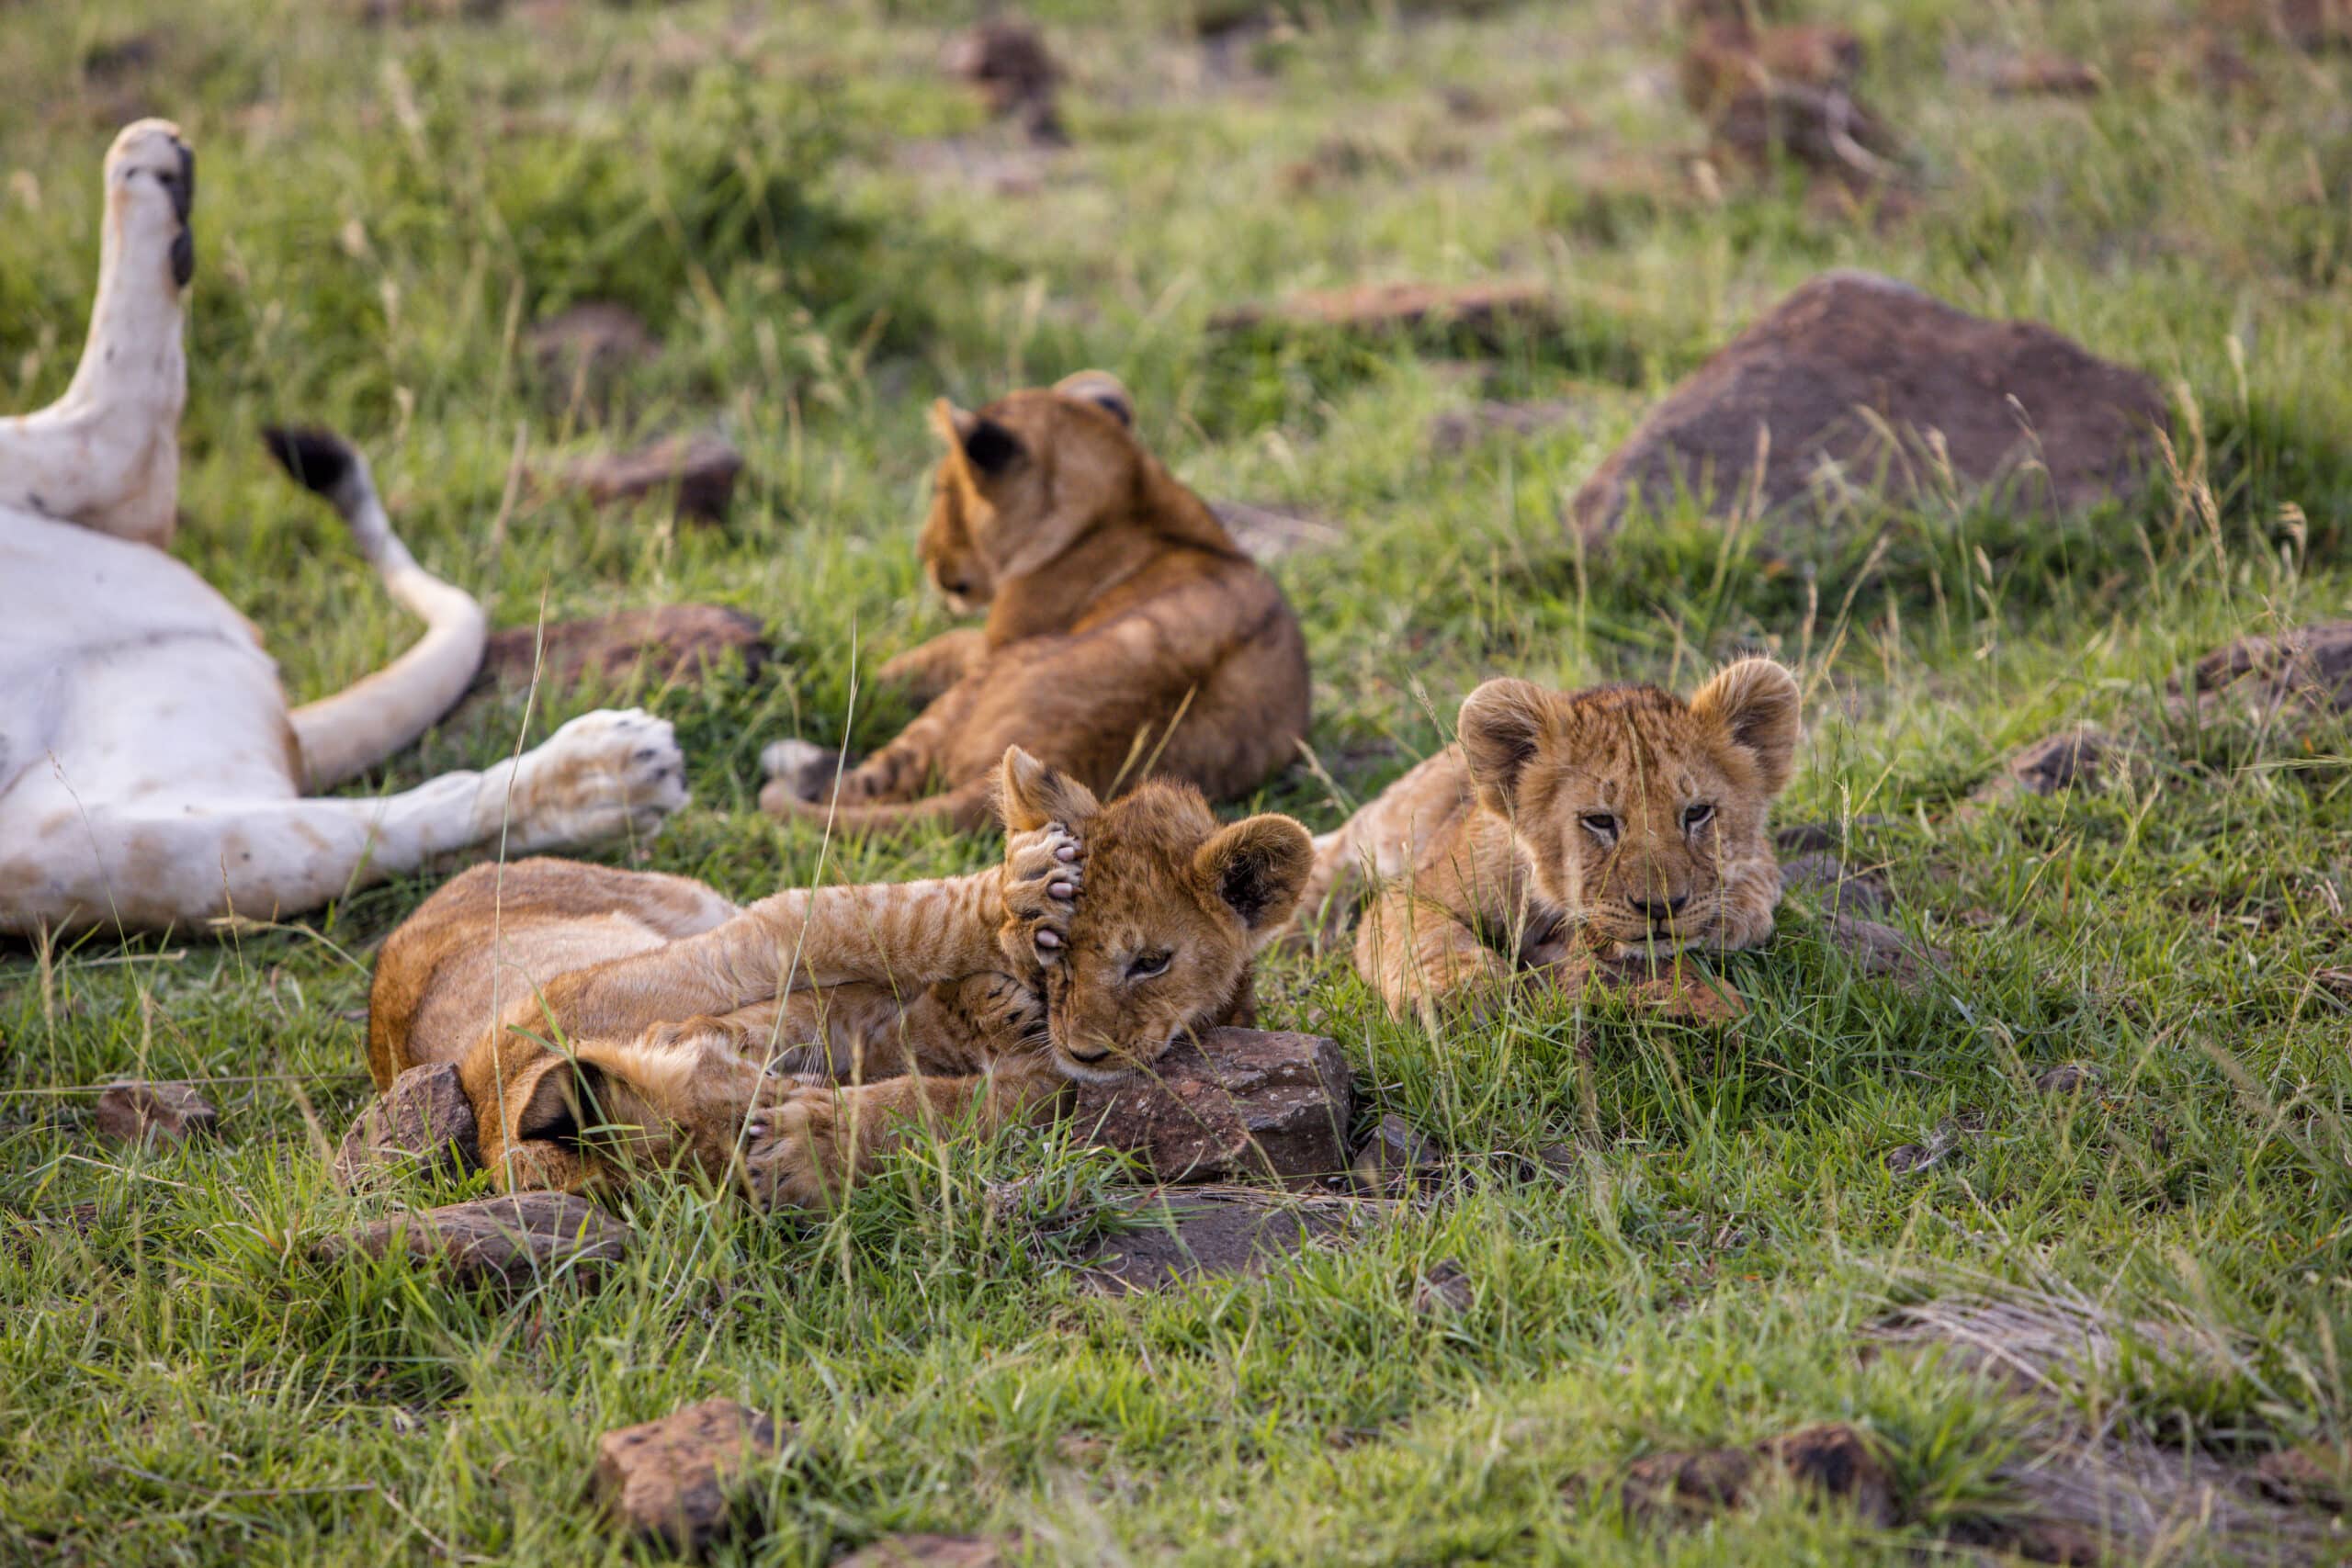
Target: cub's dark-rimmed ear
{"points": [[558, 1101], [1030, 794], [1102, 389], [1755, 705], [1259, 867], [1501, 726]]}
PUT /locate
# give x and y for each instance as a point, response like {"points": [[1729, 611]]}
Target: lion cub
{"points": [[606, 1021], [1615, 823], [1127, 636]]}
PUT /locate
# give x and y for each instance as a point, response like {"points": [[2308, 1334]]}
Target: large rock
{"points": [[674, 643], [422, 1124], [138, 1112], [672, 1481], [1180, 1237], [1242, 1102], [515, 1240], [1807, 388]]}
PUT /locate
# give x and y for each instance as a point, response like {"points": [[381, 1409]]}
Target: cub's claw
{"points": [[1044, 871]]}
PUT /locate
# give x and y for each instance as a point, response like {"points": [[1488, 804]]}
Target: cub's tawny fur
{"points": [[1127, 636], [1617, 823], [691, 1031]]}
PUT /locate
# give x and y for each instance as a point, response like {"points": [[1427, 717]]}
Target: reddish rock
{"points": [[1477, 308], [1665, 1487], [1445, 1290], [422, 1124], [1789, 391], [158, 1113], [673, 644], [697, 471], [1833, 1462], [672, 1481], [2067, 1077], [2068, 760], [518, 1240], [1676, 992], [1241, 1102]]}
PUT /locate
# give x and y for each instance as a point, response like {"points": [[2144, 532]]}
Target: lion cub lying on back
{"points": [[977, 995], [1128, 637], [1619, 822]]}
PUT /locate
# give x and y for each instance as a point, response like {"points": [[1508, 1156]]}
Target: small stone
{"points": [[1912, 1159], [1824, 838], [422, 1124], [2306, 1477], [161, 1113], [2067, 1077], [1392, 1157], [676, 644], [1882, 950], [1238, 1102], [516, 1240], [2307, 670], [1678, 993], [1180, 1237], [1007, 60], [928, 1552], [1269, 536], [671, 1481], [2047, 75], [590, 346], [1559, 1160], [699, 471], [1826, 880], [1832, 1461], [1445, 1290], [2336, 983], [2068, 760], [1479, 309]]}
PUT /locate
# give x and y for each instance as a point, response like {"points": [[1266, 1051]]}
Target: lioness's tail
{"points": [[344, 736]]}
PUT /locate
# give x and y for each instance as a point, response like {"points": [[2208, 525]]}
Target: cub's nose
{"points": [[1090, 1059], [1658, 911]]}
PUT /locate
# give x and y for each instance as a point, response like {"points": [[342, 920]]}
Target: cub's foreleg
{"points": [[1423, 958]]}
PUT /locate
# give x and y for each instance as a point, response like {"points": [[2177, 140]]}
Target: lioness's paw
{"points": [[802, 768], [793, 1150], [603, 775], [1043, 872]]}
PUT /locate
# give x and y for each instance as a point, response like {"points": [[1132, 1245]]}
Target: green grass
{"points": [[381, 210]]}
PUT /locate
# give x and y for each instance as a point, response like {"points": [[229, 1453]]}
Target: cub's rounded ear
{"points": [[1259, 867], [555, 1101], [1501, 726], [1756, 703], [951, 423], [1030, 794], [1104, 390]]}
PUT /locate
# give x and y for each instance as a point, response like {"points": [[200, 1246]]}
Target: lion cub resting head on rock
{"points": [[1127, 635], [604, 1022], [1619, 823]]}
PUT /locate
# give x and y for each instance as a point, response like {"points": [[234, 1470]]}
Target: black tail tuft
{"points": [[319, 460]]}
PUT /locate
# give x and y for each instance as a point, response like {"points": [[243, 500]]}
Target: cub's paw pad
{"points": [[792, 1155], [604, 775], [803, 768]]}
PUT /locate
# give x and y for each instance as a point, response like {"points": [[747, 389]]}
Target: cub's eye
{"points": [[1144, 965], [1697, 817], [1602, 823]]}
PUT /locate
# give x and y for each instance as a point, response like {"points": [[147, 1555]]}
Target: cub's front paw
{"points": [[1043, 872], [794, 1151]]}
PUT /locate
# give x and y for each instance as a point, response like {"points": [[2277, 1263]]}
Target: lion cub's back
{"points": [[479, 947]]}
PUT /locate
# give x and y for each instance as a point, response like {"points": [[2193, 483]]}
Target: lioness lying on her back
{"points": [[682, 1016], [1128, 637], [1618, 822]]}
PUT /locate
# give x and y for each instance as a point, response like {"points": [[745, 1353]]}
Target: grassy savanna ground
{"points": [[804, 209]]}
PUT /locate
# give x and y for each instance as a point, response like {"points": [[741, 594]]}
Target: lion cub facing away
{"points": [[977, 996], [1563, 826], [1127, 636]]}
